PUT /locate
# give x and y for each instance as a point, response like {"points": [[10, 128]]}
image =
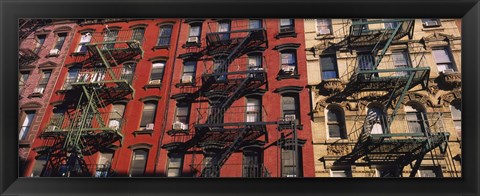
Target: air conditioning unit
{"points": [[54, 52], [38, 90], [179, 126], [324, 31], [149, 126], [431, 23], [187, 79], [155, 82], [51, 128], [289, 117], [192, 40], [291, 176], [288, 68], [448, 71], [114, 124]]}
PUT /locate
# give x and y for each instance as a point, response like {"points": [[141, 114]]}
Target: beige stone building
{"points": [[386, 97]]}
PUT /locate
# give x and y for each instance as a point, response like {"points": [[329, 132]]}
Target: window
{"points": [[443, 60], [116, 116], [39, 44], [43, 82], [253, 110], [429, 172], [255, 23], [39, 168], [376, 119], [194, 33], [252, 163], [341, 173], [164, 35], [357, 28], [290, 106], [138, 34], [128, 71], [336, 123], [148, 115], [23, 79], [26, 125], [139, 162], [60, 40], [456, 109], [286, 25], [182, 115], [103, 165], [189, 69], [58, 117], [71, 78], [387, 172], [84, 40], [175, 163], [290, 160], [401, 60], [289, 62], [324, 26], [157, 72], [427, 23], [224, 26], [365, 61], [328, 65], [110, 37], [416, 118], [390, 25], [217, 68]]}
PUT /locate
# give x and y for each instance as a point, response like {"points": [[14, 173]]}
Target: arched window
{"points": [[456, 109], [139, 162], [416, 117], [336, 122], [376, 119]]}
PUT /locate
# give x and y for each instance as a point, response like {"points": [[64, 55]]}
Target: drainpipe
{"points": [[165, 116]]}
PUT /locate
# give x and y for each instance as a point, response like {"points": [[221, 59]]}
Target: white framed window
{"points": [[26, 125], [223, 29], [443, 60], [324, 26], [189, 71], [60, 41], [148, 114]]}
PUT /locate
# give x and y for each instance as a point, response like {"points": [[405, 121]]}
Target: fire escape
{"points": [[222, 128], [393, 148], [86, 126], [26, 27]]}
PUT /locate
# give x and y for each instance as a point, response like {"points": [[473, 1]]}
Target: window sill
{"points": [[79, 53], [142, 132], [161, 47], [324, 36], [286, 34], [178, 132], [284, 76], [433, 28], [147, 86], [40, 95], [178, 85]]}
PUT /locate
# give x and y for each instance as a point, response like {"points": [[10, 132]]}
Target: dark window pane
{"points": [[139, 161]]}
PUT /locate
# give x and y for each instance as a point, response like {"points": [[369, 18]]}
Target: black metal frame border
{"points": [[468, 10]]}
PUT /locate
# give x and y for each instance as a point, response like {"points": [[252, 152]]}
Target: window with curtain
{"points": [[336, 123], [164, 35], [60, 40], [138, 163], [84, 40], [253, 110], [401, 60], [324, 26], [286, 25], [157, 71], [289, 62], [175, 165], [26, 125], [148, 114], [189, 68], [443, 60], [328, 65]]}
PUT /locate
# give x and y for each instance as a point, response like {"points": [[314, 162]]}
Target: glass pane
{"points": [[441, 56], [118, 110], [333, 116], [328, 63], [365, 62], [329, 74], [194, 31], [456, 111], [223, 27], [255, 24], [288, 103], [334, 131], [399, 59], [189, 67], [288, 58], [182, 111], [285, 22]]}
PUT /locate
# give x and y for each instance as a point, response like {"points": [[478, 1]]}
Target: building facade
{"points": [[179, 98], [43, 47], [386, 97]]}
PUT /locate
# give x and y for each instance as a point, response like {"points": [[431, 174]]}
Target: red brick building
{"points": [[179, 97], [43, 46]]}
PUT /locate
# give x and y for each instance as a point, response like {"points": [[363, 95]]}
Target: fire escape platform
{"points": [[374, 79], [362, 35], [235, 37]]}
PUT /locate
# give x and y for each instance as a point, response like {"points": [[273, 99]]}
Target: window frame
{"points": [[260, 22], [329, 26], [161, 73], [340, 122], [296, 97], [187, 116], [293, 52], [59, 44], [193, 73], [39, 42], [26, 129], [164, 38], [133, 159], [43, 82], [169, 167], [289, 28], [451, 64], [143, 125], [335, 66], [425, 20]]}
